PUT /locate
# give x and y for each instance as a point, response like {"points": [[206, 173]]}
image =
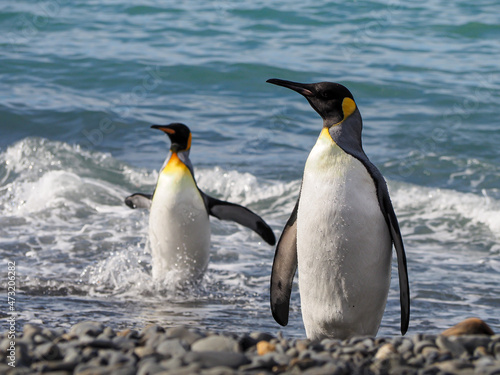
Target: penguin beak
{"points": [[302, 88], [164, 128]]}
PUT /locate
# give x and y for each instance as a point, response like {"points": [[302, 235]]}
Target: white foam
{"points": [[449, 214]]}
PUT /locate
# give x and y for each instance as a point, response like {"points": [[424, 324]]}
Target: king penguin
{"points": [[179, 227], [341, 231]]}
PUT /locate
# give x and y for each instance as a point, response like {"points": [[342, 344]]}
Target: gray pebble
{"points": [[453, 365], [417, 349], [219, 370], [97, 343], [113, 357], [215, 343], [46, 366], [193, 368], [450, 344], [184, 334], [30, 330], [47, 351], [471, 342], [265, 361], [495, 350], [144, 351], [406, 345], [123, 343], [89, 328], [173, 348], [73, 355], [40, 338], [149, 368], [212, 359], [292, 353], [430, 353], [172, 363], [123, 370]]}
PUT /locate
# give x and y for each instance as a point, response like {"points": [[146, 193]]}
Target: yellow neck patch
{"points": [[325, 136], [348, 107], [174, 165], [189, 142]]}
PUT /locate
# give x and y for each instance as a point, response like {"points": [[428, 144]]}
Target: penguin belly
{"points": [[179, 227], [343, 246]]}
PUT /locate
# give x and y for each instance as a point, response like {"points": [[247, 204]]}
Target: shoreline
{"points": [[92, 348]]}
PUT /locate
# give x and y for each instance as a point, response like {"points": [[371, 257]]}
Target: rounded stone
{"points": [[208, 359], [173, 348], [184, 334], [385, 351], [406, 345], [149, 368], [48, 352], [87, 328], [30, 330], [451, 345], [417, 349], [215, 343]]}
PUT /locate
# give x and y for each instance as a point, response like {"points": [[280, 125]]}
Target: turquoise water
{"points": [[82, 81]]}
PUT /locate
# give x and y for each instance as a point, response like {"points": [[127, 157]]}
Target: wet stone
{"points": [[173, 348], [149, 368], [40, 338], [219, 370], [171, 364], [46, 366], [406, 345], [144, 351], [184, 334], [421, 345], [47, 351], [471, 342], [431, 354], [93, 329], [450, 344], [215, 343], [30, 330], [123, 343], [214, 358], [123, 370]]}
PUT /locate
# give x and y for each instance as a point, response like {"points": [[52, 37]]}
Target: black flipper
{"points": [[230, 211], [404, 287], [284, 268], [392, 222], [139, 200]]}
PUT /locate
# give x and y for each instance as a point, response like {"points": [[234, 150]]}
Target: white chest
{"points": [[343, 245], [179, 227]]}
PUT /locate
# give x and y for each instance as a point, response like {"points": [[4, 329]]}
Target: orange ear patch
{"points": [[348, 107]]}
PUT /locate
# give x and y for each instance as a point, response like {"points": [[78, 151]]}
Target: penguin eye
{"points": [[328, 94]]}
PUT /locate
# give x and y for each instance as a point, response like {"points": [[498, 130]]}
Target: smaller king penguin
{"points": [[341, 231], [179, 227]]}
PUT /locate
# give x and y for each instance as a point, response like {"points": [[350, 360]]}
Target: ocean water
{"points": [[82, 81]]}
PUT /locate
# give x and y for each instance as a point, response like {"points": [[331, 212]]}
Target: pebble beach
{"points": [[92, 348]]}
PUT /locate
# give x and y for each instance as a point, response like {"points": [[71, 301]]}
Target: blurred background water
{"points": [[82, 81]]}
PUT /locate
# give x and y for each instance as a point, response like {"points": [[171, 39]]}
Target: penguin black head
{"points": [[333, 102], [179, 135]]}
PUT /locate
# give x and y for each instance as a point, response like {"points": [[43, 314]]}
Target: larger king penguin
{"points": [[341, 231], [179, 227]]}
